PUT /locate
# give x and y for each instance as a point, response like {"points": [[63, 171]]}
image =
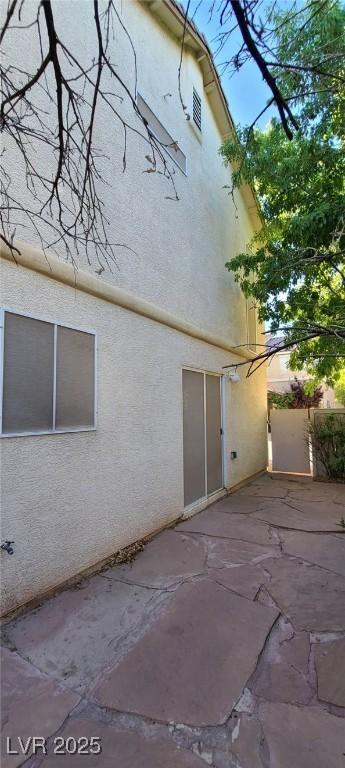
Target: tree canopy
{"points": [[294, 268], [340, 388]]}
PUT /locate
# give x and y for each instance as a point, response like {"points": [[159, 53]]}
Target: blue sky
{"points": [[246, 92]]}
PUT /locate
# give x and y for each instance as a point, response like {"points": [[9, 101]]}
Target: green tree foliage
{"points": [[339, 389], [280, 400], [298, 257], [328, 438], [303, 394]]}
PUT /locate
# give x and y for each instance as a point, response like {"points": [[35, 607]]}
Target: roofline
{"points": [[172, 15]]}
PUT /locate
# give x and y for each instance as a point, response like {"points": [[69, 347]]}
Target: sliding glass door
{"points": [[202, 435]]}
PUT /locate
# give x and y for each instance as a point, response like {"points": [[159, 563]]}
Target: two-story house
{"points": [[280, 376], [118, 416]]}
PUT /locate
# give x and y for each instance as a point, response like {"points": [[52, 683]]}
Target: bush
{"points": [[328, 439], [339, 389], [278, 400], [303, 394]]}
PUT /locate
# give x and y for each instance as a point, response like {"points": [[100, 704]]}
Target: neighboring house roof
{"points": [[275, 341], [172, 14]]}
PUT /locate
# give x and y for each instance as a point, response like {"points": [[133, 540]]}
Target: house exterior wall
{"points": [[180, 248], [70, 500]]}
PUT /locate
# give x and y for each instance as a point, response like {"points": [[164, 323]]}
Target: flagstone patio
{"points": [[222, 644]]}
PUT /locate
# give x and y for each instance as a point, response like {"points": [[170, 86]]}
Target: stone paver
{"points": [[246, 580], [247, 747], [32, 704], [222, 644], [283, 671], [301, 516], [192, 664], [330, 670], [241, 505], [311, 597], [74, 635], [233, 526], [165, 561], [326, 551], [317, 492], [229, 553], [302, 737], [121, 749]]}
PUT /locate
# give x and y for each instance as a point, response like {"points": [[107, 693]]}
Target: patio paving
{"points": [[222, 644]]}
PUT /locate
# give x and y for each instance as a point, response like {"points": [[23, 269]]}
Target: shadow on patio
{"points": [[222, 644]]}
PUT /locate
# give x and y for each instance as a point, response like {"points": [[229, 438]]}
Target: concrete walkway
{"points": [[222, 644]]}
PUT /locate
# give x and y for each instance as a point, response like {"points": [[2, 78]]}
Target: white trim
{"points": [[95, 388], [65, 431], [205, 437], [45, 319], [54, 376], [2, 353], [200, 504], [58, 270], [56, 325], [223, 411], [201, 370]]}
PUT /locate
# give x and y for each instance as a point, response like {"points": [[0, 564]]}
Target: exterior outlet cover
{"points": [[233, 455]]}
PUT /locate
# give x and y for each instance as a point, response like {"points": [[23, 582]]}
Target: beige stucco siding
{"points": [[70, 500], [180, 247]]}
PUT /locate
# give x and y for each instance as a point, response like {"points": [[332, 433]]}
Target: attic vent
{"points": [[197, 109]]}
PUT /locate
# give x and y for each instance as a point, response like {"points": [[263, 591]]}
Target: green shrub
{"points": [[328, 439]]}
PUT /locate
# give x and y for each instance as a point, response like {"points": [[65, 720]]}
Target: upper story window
{"points": [[48, 377], [284, 362], [197, 109], [162, 135]]}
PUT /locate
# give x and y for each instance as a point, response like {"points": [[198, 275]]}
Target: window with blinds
{"points": [[48, 376], [169, 145], [197, 109]]}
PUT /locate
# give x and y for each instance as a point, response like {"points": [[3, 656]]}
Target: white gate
{"points": [[290, 447]]}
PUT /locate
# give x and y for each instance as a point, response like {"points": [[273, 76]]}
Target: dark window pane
{"points": [[28, 374], [75, 380]]}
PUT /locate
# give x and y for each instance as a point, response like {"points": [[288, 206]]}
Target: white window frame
{"points": [[55, 324]]}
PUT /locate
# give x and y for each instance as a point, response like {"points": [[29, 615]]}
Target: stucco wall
{"points": [[180, 247], [69, 500]]}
